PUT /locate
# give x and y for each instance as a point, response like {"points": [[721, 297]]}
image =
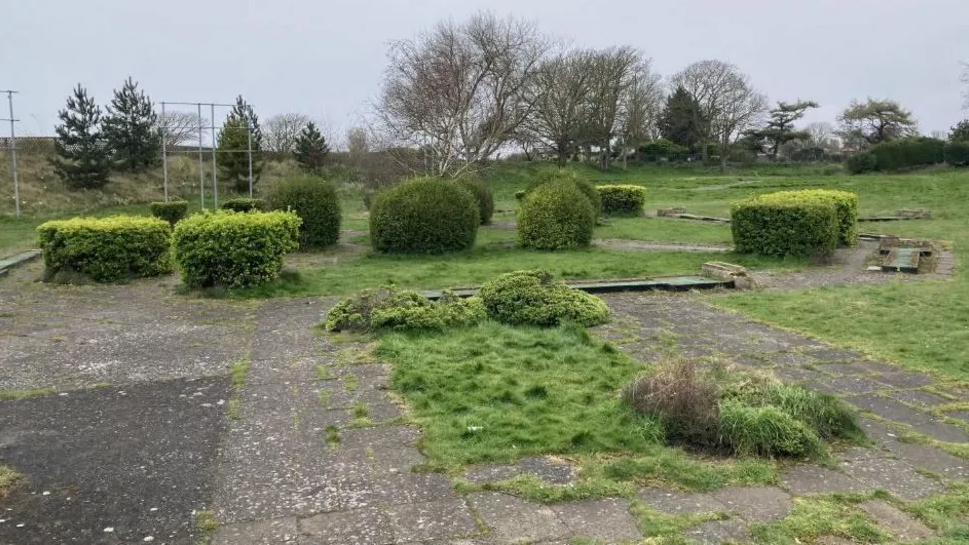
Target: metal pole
{"points": [[201, 172], [215, 179], [164, 152], [13, 154], [249, 149]]}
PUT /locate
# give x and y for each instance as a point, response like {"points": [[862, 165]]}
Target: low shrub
{"points": [[170, 211], [234, 250], [555, 216], [904, 153], [424, 216], [245, 204], [105, 249], [536, 298], [785, 224], [563, 175], [957, 153], [846, 205], [316, 202], [685, 398], [390, 308], [482, 195], [766, 431], [622, 199], [861, 163]]}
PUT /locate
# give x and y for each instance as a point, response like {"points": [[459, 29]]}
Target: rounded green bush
{"points": [[245, 204], [482, 195], [171, 211], [861, 163], [316, 202], [105, 249], [391, 308], [234, 250], [555, 216], [564, 175], [424, 216], [536, 298]]}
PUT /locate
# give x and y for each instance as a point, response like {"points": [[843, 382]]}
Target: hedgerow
{"points": [[622, 199], [245, 204], [786, 224], [846, 205]]}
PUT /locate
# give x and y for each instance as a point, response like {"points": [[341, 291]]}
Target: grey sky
{"points": [[325, 58]]}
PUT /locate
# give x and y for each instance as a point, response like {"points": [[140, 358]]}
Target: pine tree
{"points": [[311, 148], [233, 142], [682, 120], [130, 129], [780, 128], [83, 160]]}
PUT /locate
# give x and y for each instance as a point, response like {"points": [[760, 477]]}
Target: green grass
{"points": [[25, 394], [239, 371], [482, 264], [7, 477], [665, 230], [206, 524]]}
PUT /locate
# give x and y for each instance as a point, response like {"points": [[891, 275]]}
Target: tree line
{"points": [[461, 92], [128, 136]]}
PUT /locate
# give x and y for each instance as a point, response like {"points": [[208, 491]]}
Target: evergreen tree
{"points": [[311, 148], [960, 133], [233, 142], [780, 129], [83, 160], [682, 121], [130, 129]]}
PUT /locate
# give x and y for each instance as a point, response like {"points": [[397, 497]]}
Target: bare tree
{"points": [[461, 91], [561, 102], [281, 131], [180, 128], [964, 78], [727, 100], [821, 132], [641, 108], [613, 72], [358, 141]]}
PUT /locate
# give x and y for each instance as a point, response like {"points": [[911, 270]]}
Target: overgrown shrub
{"points": [[846, 205], [622, 199], [563, 175], [957, 153], [245, 204], [915, 151], [390, 308], [765, 431], [861, 163], [234, 250], [424, 216], [316, 202], [105, 249], [536, 298], [785, 224], [555, 216], [684, 397], [482, 195], [170, 211]]}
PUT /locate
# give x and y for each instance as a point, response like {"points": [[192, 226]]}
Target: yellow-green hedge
{"points": [[234, 249], [106, 249], [622, 199], [555, 216], [785, 224], [846, 204]]}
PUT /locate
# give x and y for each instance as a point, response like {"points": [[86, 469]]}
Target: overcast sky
{"points": [[325, 58]]}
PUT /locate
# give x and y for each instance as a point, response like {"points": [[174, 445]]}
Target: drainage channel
{"points": [[670, 283], [8, 263]]}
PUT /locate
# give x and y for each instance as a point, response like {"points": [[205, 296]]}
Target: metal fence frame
{"points": [[214, 151], [13, 147]]}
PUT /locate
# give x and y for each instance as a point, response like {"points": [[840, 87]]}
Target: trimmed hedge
{"points": [[424, 216], [563, 175], [957, 154], [245, 204], [171, 211], [388, 307], [909, 152], [482, 195], [234, 250], [105, 249], [861, 163], [316, 202], [555, 216], [536, 298], [622, 199], [785, 224], [846, 204]]}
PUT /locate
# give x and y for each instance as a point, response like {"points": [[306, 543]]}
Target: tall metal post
{"points": [[201, 164], [164, 120], [249, 151], [215, 179], [13, 153]]}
